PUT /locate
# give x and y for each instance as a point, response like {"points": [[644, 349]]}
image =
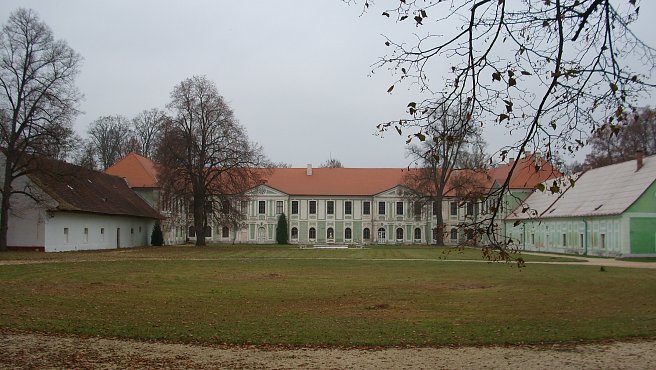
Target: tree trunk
{"points": [[199, 213], [439, 221], [4, 205]]}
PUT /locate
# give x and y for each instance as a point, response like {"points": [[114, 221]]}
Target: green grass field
{"points": [[283, 295]]}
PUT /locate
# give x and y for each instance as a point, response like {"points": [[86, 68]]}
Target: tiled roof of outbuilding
{"points": [[78, 189], [529, 172], [138, 171]]}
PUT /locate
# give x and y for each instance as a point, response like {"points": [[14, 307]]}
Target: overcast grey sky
{"points": [[296, 73]]}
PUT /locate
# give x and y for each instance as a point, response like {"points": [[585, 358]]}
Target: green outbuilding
{"points": [[607, 211]]}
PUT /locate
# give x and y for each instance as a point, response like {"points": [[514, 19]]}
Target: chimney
{"points": [[309, 169], [639, 158]]}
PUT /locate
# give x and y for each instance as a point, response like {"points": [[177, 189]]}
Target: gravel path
{"points": [[42, 351]]}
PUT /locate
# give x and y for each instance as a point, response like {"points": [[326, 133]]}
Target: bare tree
{"points": [[147, 127], [613, 144], [450, 153], [112, 138], [332, 163], [279, 165], [38, 102], [548, 71], [205, 152], [85, 155]]}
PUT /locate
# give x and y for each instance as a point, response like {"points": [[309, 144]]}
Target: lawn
{"points": [[281, 295]]}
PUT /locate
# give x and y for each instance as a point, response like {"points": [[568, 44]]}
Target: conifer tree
{"points": [[282, 235], [157, 238]]}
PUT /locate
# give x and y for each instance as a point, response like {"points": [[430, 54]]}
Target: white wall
{"points": [[101, 229]]}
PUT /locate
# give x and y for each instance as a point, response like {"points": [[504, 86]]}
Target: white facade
{"points": [[385, 218]]}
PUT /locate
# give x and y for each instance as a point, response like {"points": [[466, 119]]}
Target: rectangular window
{"points": [[244, 206], [294, 207], [86, 234], [313, 207], [261, 207], [66, 235], [603, 241], [102, 233], [279, 207], [470, 209], [436, 208], [399, 208], [417, 209], [330, 207], [366, 208], [454, 208], [348, 207], [533, 239], [381, 208], [564, 240], [581, 241]]}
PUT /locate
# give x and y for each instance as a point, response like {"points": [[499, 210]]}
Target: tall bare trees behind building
{"points": [[205, 153], [38, 100]]}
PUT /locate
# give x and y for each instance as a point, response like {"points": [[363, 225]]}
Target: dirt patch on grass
{"points": [[36, 350]]}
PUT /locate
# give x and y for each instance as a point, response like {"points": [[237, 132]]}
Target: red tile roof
{"points": [[335, 181], [78, 189], [141, 172], [529, 172], [138, 171]]}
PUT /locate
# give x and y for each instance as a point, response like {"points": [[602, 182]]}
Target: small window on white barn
{"points": [[603, 241], [66, 235], [86, 234], [102, 233], [564, 240]]}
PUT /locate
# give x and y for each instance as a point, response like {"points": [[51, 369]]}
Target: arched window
{"points": [[347, 233], [208, 231], [381, 234], [225, 232], [366, 233], [330, 233], [312, 234], [399, 234], [417, 233], [192, 232], [294, 233], [470, 234], [454, 234]]}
